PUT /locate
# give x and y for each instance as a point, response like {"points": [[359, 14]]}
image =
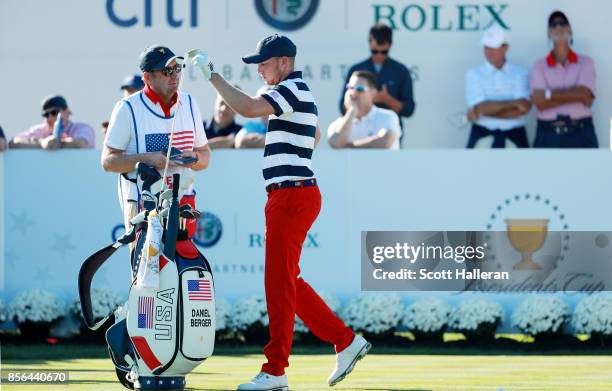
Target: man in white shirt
{"points": [[497, 94], [364, 125], [140, 129]]}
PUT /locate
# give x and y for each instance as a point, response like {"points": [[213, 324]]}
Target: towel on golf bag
{"points": [[148, 268]]}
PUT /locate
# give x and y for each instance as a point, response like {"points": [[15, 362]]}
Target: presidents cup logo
{"points": [[208, 230], [533, 226], [286, 15]]}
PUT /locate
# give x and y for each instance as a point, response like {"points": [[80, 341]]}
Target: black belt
{"points": [[287, 184], [564, 124]]}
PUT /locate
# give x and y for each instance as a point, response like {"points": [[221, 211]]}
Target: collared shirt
{"points": [[75, 130], [157, 100], [579, 70], [487, 83], [392, 74], [213, 130], [370, 124], [291, 132]]}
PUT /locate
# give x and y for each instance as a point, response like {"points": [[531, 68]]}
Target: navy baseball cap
{"points": [[558, 15], [272, 46], [133, 81], [53, 102], [156, 58]]}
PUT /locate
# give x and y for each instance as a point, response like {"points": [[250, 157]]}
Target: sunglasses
{"points": [[558, 23], [375, 51], [169, 71], [357, 88], [51, 113]]}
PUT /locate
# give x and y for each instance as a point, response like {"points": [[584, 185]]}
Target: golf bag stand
{"points": [[164, 332]]}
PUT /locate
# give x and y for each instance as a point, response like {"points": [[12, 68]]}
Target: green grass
{"points": [[309, 371]]}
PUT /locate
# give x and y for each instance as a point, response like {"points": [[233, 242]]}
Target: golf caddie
{"points": [[294, 201], [140, 129]]}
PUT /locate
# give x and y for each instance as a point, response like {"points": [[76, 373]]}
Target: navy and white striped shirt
{"points": [[291, 132]]}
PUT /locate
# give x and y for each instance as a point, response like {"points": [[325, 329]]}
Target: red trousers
{"points": [[290, 213]]}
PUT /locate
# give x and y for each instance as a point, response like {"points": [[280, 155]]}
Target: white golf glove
{"points": [[201, 60]]}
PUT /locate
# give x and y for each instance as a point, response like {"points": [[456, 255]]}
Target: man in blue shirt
{"points": [[2, 141], [394, 81]]}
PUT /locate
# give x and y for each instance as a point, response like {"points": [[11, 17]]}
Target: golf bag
{"points": [[167, 326]]}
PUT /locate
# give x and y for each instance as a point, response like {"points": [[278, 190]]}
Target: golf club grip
{"points": [[176, 182]]}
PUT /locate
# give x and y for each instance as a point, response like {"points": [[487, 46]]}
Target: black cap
{"points": [[557, 15], [156, 58], [53, 102], [133, 81], [272, 46]]}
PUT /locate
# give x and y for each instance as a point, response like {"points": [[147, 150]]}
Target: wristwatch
{"points": [[547, 94]]}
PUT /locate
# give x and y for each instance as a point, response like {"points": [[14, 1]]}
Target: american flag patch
{"points": [[182, 140], [199, 290], [145, 312]]}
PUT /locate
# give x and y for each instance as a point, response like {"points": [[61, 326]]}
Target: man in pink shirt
{"points": [[73, 135], [563, 89]]}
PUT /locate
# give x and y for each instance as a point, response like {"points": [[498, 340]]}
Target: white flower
{"points": [[540, 314], [474, 312], [247, 312], [593, 314], [427, 315], [35, 305], [375, 313], [332, 302], [222, 311], [2, 311], [103, 301]]}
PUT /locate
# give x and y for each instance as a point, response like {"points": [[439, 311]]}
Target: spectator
{"points": [[253, 133], [497, 95], [364, 125], [222, 128], [394, 81], [563, 89], [2, 140], [130, 85], [73, 134]]}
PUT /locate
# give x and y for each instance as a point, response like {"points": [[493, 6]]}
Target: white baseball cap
{"points": [[494, 37]]}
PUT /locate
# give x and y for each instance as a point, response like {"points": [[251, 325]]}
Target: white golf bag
{"points": [[167, 326]]}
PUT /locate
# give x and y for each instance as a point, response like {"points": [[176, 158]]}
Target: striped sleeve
{"points": [[279, 97], [291, 97]]}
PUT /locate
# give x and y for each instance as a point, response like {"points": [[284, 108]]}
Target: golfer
{"points": [[294, 201]]}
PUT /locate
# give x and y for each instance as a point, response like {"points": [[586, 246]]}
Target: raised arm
{"points": [[243, 104]]}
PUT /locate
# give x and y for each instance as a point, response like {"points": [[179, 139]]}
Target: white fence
{"points": [[59, 207]]}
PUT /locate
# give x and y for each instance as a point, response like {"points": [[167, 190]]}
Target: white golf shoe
{"points": [[346, 359], [265, 382]]}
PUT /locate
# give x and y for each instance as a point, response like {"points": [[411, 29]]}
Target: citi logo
{"points": [[115, 10]]}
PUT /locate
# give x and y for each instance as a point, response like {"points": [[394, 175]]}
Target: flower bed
{"points": [[477, 319], [427, 319], [542, 316]]}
